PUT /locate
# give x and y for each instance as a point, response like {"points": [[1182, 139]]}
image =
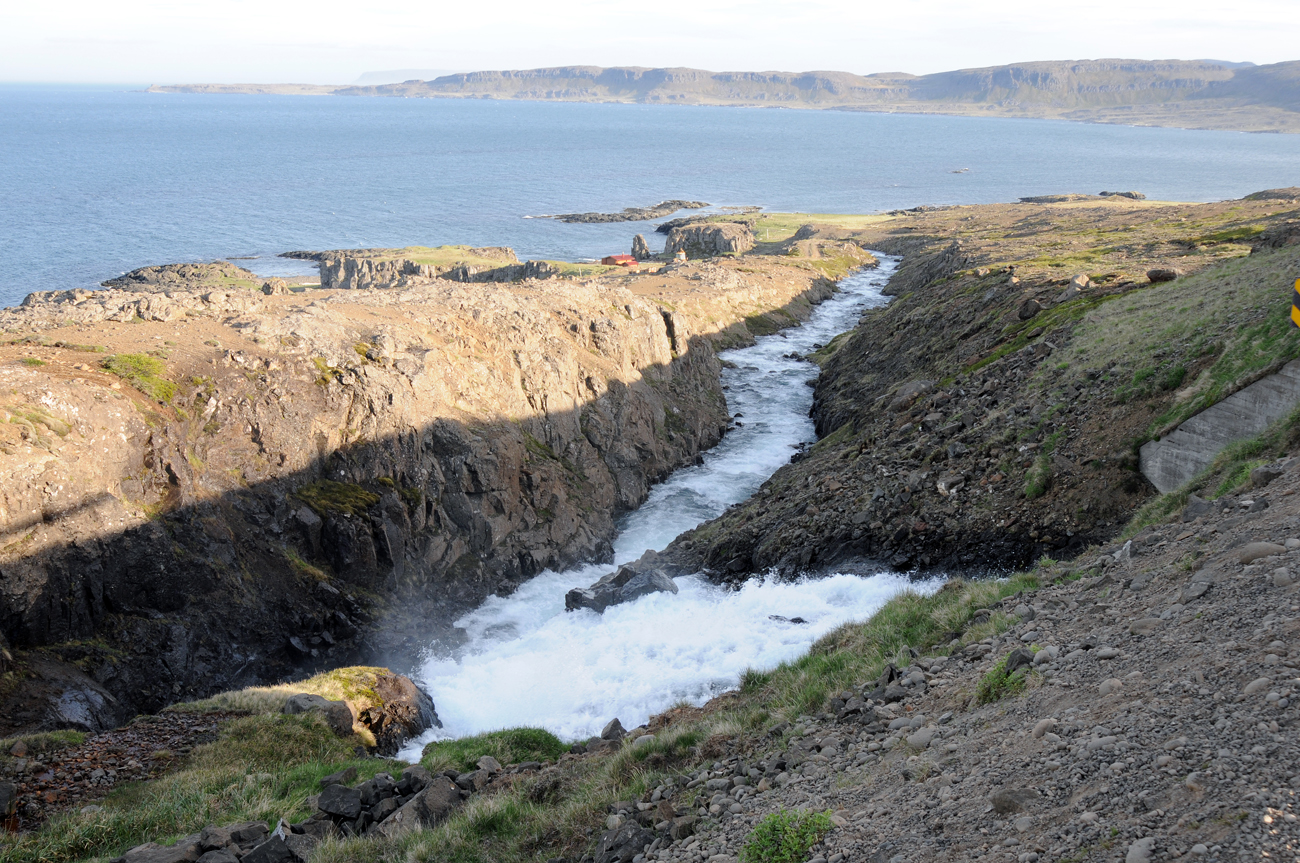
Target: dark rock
{"points": [[384, 808], [1196, 507], [301, 845], [425, 809], [624, 843], [632, 214], [1262, 476], [218, 855], [1021, 657], [613, 730], [416, 777], [344, 777], [1010, 800], [183, 851], [340, 801], [8, 799], [646, 583], [1028, 309], [1164, 274], [273, 850]]}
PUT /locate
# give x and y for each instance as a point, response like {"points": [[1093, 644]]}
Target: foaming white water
{"points": [[533, 664], [526, 661]]}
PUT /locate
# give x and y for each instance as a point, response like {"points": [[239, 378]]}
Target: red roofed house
{"points": [[619, 260]]}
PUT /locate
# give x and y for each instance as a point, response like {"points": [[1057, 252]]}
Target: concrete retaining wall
{"points": [[1178, 457]]}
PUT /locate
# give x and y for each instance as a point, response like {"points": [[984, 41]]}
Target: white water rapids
{"points": [[527, 662]]}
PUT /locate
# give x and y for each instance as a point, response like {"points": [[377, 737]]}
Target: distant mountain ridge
{"points": [[1187, 93]]}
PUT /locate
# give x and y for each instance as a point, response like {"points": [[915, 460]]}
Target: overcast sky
{"points": [[330, 41]]}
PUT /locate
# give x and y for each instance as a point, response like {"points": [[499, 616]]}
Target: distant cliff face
{"points": [[203, 489], [1196, 93]]}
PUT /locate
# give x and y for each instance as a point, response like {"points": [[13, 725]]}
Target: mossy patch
{"points": [[143, 372], [326, 496]]}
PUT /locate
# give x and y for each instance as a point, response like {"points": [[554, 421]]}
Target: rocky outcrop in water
{"points": [[184, 277], [632, 214]]}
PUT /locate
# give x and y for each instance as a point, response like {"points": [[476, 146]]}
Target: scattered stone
{"points": [[1259, 684], [1140, 851], [1253, 551], [1106, 687], [1145, 626], [1043, 727], [344, 777]]}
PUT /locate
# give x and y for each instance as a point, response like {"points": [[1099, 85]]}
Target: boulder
{"points": [[275, 287], [340, 801], [337, 713], [1021, 657], [183, 851], [8, 799], [640, 248], [1163, 274], [344, 777], [1253, 551], [403, 713], [426, 809], [623, 843], [613, 730], [1028, 309], [646, 583], [273, 850], [245, 834]]}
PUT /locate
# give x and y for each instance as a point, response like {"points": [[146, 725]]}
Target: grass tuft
{"points": [[143, 372]]}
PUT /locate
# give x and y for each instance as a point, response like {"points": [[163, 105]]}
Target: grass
{"points": [[785, 837], [997, 684], [33, 362], [143, 372], [509, 746], [1200, 338], [261, 767], [326, 496]]}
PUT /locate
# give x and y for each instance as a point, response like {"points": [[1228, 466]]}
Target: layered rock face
{"points": [[322, 462], [710, 238]]}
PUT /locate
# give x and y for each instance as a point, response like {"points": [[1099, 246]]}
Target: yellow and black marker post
{"points": [[1295, 304]]}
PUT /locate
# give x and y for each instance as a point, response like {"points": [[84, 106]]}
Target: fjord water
{"points": [[97, 181], [527, 661]]}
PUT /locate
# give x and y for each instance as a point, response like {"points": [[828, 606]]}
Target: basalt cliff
{"points": [[204, 485]]}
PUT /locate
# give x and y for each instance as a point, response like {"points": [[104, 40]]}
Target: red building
{"points": [[619, 260]]}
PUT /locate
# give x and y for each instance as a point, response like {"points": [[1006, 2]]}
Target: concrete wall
{"points": [[1172, 461]]}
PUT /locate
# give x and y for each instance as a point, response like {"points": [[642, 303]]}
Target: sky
{"points": [[334, 42]]}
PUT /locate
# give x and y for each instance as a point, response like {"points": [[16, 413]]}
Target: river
{"points": [[528, 662]]}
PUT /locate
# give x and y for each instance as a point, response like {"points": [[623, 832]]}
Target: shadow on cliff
{"points": [[362, 557]]}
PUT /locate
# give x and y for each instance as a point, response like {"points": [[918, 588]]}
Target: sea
{"points": [[96, 181]]}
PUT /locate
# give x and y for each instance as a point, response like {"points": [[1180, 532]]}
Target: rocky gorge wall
{"points": [[320, 478], [992, 413]]}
